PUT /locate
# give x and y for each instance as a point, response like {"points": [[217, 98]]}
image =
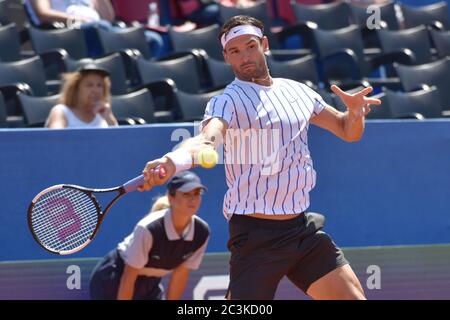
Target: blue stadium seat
{"points": [[36, 109], [415, 104], [4, 13], [192, 106], [128, 38], [436, 14], [219, 72], [441, 41], [301, 69], [183, 71], [136, 105], [435, 73], [360, 14], [327, 16], [71, 40], [415, 39], [205, 38], [9, 43], [341, 53]]}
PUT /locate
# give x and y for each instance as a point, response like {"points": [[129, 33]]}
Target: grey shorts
{"points": [[263, 251]]}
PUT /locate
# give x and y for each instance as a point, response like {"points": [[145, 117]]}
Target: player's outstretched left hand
{"points": [[357, 103]]}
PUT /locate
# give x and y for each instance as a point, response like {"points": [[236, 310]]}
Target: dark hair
{"points": [[239, 21]]}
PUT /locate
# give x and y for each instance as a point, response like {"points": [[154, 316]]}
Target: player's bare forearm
{"points": [[197, 143], [192, 146], [349, 127], [353, 125], [211, 136]]}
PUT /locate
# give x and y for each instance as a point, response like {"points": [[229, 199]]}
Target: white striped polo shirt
{"points": [[267, 162]]}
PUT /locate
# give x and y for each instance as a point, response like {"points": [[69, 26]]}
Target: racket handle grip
{"points": [[135, 183]]}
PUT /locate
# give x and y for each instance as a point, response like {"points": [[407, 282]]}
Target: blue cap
{"points": [[185, 181]]}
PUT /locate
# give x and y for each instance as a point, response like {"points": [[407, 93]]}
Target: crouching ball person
{"points": [[171, 240]]}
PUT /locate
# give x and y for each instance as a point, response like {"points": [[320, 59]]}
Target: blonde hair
{"points": [[69, 93], [161, 203]]}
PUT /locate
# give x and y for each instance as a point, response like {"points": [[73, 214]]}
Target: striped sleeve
{"points": [[318, 102], [218, 107]]}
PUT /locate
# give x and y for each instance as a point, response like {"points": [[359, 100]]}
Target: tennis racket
{"points": [[64, 219]]}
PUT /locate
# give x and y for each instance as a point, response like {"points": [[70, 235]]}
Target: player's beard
{"points": [[259, 71]]}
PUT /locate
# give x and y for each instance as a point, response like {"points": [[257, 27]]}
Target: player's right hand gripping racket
{"points": [[65, 218]]}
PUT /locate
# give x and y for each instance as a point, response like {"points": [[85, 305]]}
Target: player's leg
{"points": [[257, 280], [339, 284], [322, 271]]}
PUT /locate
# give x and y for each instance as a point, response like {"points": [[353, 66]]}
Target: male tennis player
{"points": [[270, 234]]}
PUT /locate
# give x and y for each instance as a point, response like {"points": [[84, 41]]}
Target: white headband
{"points": [[239, 31]]}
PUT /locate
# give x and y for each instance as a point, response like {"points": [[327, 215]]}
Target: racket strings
{"points": [[63, 228], [69, 232], [64, 218]]}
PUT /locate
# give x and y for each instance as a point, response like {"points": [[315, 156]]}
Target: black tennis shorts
{"points": [[263, 251]]}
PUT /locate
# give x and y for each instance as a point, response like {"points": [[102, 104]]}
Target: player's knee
{"points": [[353, 289]]}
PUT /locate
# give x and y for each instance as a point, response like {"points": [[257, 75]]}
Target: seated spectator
{"points": [[201, 12], [239, 3], [368, 2], [85, 101], [89, 14]]}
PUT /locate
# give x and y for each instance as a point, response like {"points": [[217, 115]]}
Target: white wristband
{"points": [[181, 158]]}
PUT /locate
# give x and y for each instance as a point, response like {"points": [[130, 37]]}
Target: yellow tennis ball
{"points": [[208, 158]]}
